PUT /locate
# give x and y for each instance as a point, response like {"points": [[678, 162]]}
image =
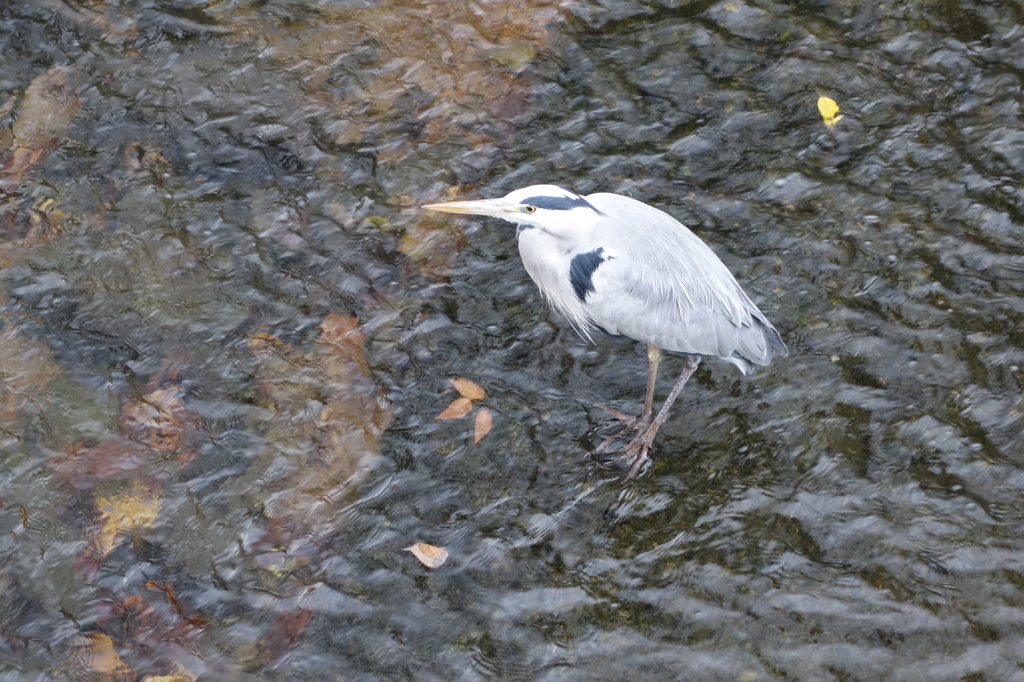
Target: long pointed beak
{"points": [[492, 207]]}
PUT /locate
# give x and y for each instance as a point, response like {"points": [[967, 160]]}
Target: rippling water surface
{"points": [[227, 330]]}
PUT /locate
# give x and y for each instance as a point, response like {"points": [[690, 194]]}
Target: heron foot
{"points": [[629, 423], [628, 419], [635, 454]]}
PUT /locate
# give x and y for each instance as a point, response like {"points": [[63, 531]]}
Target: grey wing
{"points": [[680, 300]]}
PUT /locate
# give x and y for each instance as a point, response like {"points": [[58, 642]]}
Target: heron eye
{"points": [[530, 209]]}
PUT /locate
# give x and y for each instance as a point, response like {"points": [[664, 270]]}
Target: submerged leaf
{"points": [[459, 408], [468, 389], [341, 336], [429, 556], [482, 426], [286, 634], [331, 415], [432, 246], [187, 614], [94, 653], [828, 108], [50, 104], [28, 367], [113, 459], [161, 419], [138, 508]]}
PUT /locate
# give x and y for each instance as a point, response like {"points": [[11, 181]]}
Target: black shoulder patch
{"points": [[558, 203], [581, 272]]}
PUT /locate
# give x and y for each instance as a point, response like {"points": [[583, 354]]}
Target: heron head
{"points": [[548, 207]]}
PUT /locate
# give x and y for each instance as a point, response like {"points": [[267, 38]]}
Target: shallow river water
{"points": [[227, 329]]}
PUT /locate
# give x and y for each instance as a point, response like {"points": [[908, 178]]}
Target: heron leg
{"points": [[653, 360], [635, 453], [632, 422]]}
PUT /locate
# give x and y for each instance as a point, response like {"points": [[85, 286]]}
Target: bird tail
{"points": [[762, 350]]}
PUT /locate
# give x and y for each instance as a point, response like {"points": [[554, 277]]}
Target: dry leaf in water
{"points": [[432, 247], [285, 635], [50, 104], [429, 556], [27, 369], [330, 416], [342, 336], [482, 425], [829, 110], [95, 654], [120, 514], [459, 408], [184, 611], [161, 419], [467, 389]]}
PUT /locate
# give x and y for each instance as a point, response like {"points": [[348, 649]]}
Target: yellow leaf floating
{"points": [[468, 389], [829, 110], [429, 556], [459, 408], [482, 425]]}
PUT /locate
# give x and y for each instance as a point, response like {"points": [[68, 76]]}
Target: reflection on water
{"points": [[228, 330]]}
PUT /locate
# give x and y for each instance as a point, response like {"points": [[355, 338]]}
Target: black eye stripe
{"points": [[558, 203]]}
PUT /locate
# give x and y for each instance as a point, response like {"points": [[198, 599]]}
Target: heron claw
{"points": [[630, 422], [628, 419], [634, 454]]}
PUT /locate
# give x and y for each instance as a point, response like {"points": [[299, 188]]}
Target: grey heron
{"points": [[612, 263]]}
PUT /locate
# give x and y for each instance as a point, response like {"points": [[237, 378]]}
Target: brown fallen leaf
{"points": [[113, 459], [432, 247], [429, 556], [28, 367], [341, 336], [50, 104], [459, 408], [151, 630], [186, 613], [331, 414], [119, 514], [161, 419], [285, 635], [482, 425], [137, 157], [94, 653], [468, 389]]}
